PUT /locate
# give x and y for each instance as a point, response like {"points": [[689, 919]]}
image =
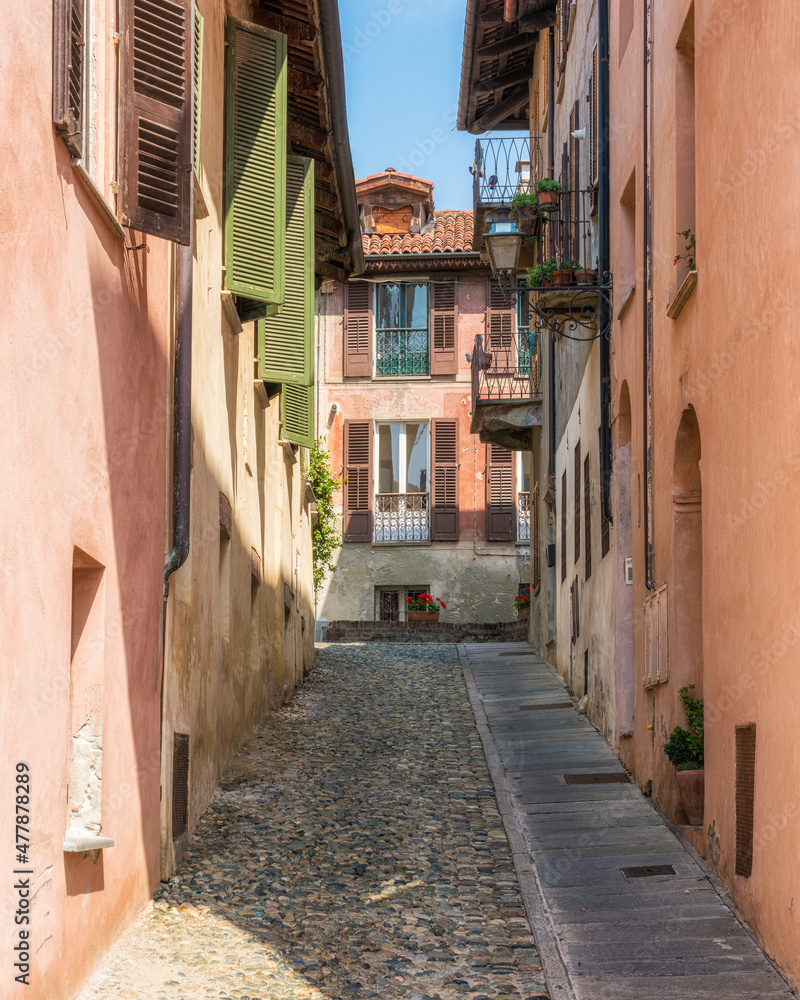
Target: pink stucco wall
{"points": [[733, 357], [84, 388]]}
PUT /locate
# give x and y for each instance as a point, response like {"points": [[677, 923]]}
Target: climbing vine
{"points": [[326, 536]]}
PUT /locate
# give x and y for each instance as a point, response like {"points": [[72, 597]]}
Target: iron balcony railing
{"points": [[567, 235], [523, 517], [502, 168], [402, 351], [506, 369], [401, 517]]}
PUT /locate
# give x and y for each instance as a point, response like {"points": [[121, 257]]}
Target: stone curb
{"points": [[558, 979]]}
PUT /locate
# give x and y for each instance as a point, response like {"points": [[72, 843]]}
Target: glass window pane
{"points": [[389, 458], [417, 307], [416, 458], [525, 482], [388, 306]]}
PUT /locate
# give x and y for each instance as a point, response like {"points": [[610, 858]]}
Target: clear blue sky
{"points": [[402, 61]]}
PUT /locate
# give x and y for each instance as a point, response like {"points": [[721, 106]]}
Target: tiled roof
{"points": [[451, 233]]}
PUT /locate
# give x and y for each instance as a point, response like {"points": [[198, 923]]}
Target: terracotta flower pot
{"points": [[585, 276], [487, 363], [563, 276], [691, 785], [523, 613], [548, 200], [547, 282], [423, 616]]}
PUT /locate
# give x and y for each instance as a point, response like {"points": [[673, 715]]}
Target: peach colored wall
{"points": [[734, 357], [85, 424], [478, 579]]}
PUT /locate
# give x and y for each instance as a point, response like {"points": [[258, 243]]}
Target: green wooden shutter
{"points": [[286, 341], [255, 166], [197, 82], [297, 414]]}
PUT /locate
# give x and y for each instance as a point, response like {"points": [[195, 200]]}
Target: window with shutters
{"points": [[563, 527], [500, 500], [574, 196], [524, 462], [391, 602], [401, 499], [286, 340], [356, 349], [156, 117], [445, 518], [197, 87], [255, 167], [444, 327], [656, 661], [577, 501], [594, 174], [401, 329], [587, 516], [358, 480], [70, 39]]}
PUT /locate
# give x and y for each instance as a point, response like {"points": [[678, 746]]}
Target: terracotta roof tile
{"points": [[451, 233]]}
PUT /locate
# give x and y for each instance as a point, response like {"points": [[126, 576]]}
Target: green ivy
{"points": [[326, 538], [684, 748]]}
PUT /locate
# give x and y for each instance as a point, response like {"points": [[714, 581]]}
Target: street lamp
{"points": [[503, 242]]}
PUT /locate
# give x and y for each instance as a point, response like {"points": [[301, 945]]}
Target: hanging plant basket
{"points": [[526, 217], [548, 200]]}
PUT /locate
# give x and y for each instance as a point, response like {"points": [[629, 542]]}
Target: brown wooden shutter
{"points": [[444, 505], [499, 329], [69, 47], [593, 128], [358, 473], [444, 327], [565, 204], [156, 142], [575, 184], [357, 347], [499, 494]]}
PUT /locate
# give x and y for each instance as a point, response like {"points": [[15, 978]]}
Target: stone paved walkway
{"points": [[602, 936], [355, 850]]}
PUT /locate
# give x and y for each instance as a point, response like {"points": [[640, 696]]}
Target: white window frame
{"points": [[402, 454]]}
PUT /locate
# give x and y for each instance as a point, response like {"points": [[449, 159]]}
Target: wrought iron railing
{"points": [[523, 517], [506, 369], [567, 233], [401, 517], [502, 168], [402, 351]]}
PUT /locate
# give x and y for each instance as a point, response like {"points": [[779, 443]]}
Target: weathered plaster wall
{"points": [[732, 356], [595, 594], [84, 390], [476, 578], [237, 646]]}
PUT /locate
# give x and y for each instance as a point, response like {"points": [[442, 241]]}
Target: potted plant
{"points": [[549, 192], [547, 272], [535, 276], [424, 608], [525, 211], [684, 749], [562, 273], [691, 250], [522, 602], [585, 275]]}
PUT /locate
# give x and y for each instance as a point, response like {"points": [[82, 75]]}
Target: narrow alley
{"points": [[354, 850]]}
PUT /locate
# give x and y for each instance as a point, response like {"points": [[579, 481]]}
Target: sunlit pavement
{"points": [[355, 850]]}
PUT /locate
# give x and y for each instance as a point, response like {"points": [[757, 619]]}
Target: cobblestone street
{"points": [[354, 850]]}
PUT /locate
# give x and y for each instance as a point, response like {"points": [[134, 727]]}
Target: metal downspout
{"points": [[647, 359], [551, 158], [604, 257]]}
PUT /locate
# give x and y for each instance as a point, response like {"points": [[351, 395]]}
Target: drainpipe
{"points": [[551, 163], [181, 420], [647, 359], [510, 11], [604, 262]]}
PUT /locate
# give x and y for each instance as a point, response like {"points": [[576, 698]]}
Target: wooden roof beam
{"points": [[494, 116], [295, 31], [505, 46], [504, 80]]}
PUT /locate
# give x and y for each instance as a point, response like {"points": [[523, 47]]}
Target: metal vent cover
{"points": [[745, 797], [552, 704], [647, 871], [180, 784], [601, 778]]}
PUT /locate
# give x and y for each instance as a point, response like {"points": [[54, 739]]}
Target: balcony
{"points": [[523, 517], [401, 518], [502, 168], [506, 395], [402, 352]]}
